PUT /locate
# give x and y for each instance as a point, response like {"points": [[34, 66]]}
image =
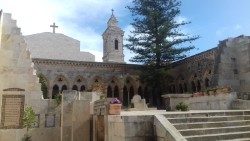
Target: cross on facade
{"points": [[54, 26]]}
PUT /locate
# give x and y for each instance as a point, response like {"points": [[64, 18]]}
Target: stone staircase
{"points": [[213, 126]]}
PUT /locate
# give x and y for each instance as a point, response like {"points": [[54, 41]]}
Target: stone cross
{"points": [[112, 11], [54, 27]]}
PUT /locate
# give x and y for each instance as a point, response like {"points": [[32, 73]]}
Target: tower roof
{"points": [[112, 20]]}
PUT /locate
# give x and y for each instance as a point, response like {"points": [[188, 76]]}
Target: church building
{"points": [[59, 60], [64, 67]]}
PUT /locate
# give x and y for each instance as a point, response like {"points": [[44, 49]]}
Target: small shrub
{"points": [[182, 106], [58, 99]]}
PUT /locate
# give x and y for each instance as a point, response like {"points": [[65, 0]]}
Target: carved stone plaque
{"points": [[50, 120], [12, 111]]}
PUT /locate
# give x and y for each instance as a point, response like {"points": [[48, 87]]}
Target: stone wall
{"points": [[225, 65], [130, 128], [205, 102], [93, 76]]}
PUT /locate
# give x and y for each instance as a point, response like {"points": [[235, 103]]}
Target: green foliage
{"points": [[182, 106], [44, 87], [157, 39], [29, 118], [58, 99], [26, 138]]}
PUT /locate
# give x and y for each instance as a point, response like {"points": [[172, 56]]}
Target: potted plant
{"points": [[115, 106]]}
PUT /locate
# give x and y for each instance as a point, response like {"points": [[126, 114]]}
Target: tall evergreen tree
{"points": [[157, 40]]}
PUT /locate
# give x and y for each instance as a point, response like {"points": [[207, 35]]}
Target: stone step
{"points": [[242, 139], [208, 119], [204, 131], [182, 126], [205, 114], [216, 137]]}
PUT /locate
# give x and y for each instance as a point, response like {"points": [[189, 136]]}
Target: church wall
{"points": [[94, 76], [56, 46]]}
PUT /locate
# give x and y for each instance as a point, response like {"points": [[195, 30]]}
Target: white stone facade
{"points": [[56, 46]]}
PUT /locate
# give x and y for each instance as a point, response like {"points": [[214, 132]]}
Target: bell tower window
{"points": [[116, 44]]}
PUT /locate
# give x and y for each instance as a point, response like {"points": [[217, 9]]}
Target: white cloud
{"points": [[181, 19], [238, 27], [73, 18]]}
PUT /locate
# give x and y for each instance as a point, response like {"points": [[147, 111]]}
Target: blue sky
{"points": [[85, 20]]}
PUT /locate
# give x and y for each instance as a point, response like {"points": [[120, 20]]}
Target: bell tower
{"points": [[113, 42]]}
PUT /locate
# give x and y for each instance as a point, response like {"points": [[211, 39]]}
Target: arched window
{"points": [[82, 88], [116, 92], [55, 91], [116, 44], [109, 91], [75, 88], [125, 96], [64, 87]]}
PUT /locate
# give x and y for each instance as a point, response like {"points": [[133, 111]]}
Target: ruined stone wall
{"points": [[234, 64], [225, 65], [193, 74]]}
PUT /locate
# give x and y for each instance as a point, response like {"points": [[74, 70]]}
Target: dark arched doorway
{"points": [[55, 91], [198, 86], [116, 92], [206, 82], [193, 86], [140, 92], [109, 92], [146, 94], [125, 96], [131, 93], [75, 88], [180, 88], [82, 88], [64, 87]]}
